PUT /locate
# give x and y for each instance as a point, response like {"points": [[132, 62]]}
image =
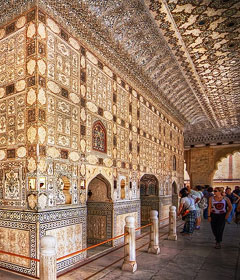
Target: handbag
{"points": [[185, 212]]}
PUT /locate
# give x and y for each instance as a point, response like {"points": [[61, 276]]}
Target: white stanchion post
{"points": [[154, 236], [172, 235], [48, 267], [129, 263]]}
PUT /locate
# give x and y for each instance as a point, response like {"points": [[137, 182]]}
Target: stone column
{"points": [[130, 263], [154, 236], [48, 268], [172, 235]]}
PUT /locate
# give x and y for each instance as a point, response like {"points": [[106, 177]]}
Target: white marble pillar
{"points": [[172, 235], [48, 267], [154, 236], [129, 263]]}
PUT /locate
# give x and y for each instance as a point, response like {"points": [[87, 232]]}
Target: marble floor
{"points": [[187, 258]]}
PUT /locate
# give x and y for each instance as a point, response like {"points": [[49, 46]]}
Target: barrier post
{"points": [[154, 236], [129, 263], [172, 235], [48, 267]]}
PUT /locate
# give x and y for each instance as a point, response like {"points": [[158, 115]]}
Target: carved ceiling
{"points": [[185, 52]]}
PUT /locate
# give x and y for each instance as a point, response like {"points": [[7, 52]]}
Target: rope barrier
{"points": [[94, 274], [143, 226], [91, 247], [93, 259], [143, 235], [104, 268], [19, 256]]}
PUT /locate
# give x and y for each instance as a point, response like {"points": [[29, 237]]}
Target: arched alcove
{"points": [[99, 210], [99, 189], [148, 185], [149, 190]]}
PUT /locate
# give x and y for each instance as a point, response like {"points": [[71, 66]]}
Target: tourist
{"points": [[233, 200], [208, 193], [198, 193], [222, 191], [219, 209], [236, 193], [237, 217], [188, 211]]}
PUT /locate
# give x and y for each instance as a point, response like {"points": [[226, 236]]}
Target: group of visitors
{"points": [[216, 205]]}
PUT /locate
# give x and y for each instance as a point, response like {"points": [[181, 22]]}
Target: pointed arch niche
{"points": [[149, 191], [99, 210], [99, 137]]}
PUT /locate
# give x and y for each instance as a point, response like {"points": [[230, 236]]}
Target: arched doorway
{"points": [[149, 188], [227, 172], [99, 210], [174, 195]]}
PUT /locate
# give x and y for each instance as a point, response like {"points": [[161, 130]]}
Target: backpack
{"points": [[203, 203]]}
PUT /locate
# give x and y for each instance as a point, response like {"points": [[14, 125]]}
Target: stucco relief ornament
{"points": [[74, 98], [53, 87], [20, 22], [32, 201], [21, 152], [83, 145], [82, 197], [12, 185], [32, 165], [74, 43], [42, 30], [60, 195], [41, 66], [31, 30], [2, 33], [31, 134], [53, 152], [42, 201], [42, 96], [53, 26], [42, 165], [42, 134], [2, 154], [74, 156], [31, 96], [20, 85], [2, 92]]}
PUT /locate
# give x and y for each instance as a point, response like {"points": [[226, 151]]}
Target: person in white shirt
{"points": [[187, 209], [198, 193]]}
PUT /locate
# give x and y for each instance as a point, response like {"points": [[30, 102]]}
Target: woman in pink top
{"points": [[218, 211]]}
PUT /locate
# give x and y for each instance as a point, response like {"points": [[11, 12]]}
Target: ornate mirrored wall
{"points": [[66, 122]]}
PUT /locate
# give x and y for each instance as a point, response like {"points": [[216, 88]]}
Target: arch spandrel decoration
{"points": [[99, 137]]}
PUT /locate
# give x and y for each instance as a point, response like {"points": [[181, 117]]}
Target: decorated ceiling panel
{"points": [[184, 52]]}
